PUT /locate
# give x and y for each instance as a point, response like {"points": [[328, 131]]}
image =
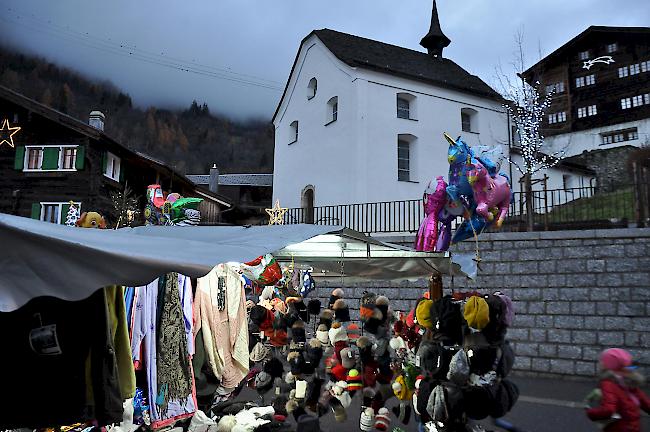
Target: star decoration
{"points": [[602, 59], [7, 132], [276, 214]]}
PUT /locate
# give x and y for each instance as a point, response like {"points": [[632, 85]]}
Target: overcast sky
{"points": [[255, 41]]}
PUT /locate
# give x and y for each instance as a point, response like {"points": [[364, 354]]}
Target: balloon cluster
{"points": [[476, 190]]}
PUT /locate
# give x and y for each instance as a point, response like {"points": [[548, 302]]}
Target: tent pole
{"points": [[435, 286]]}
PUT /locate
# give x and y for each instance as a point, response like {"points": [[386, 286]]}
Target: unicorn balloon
{"points": [[489, 192], [434, 202], [458, 156]]}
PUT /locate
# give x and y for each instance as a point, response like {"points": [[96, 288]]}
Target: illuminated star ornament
{"points": [[602, 59], [7, 133], [276, 214]]}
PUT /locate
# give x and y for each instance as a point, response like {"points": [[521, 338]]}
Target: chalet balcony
{"points": [[556, 209]]}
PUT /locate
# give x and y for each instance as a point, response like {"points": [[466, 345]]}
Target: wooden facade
{"points": [[35, 183], [600, 84]]}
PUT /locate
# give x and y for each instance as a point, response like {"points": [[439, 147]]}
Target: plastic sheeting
{"points": [[43, 259]]}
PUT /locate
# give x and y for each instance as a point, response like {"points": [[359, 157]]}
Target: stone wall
{"points": [[575, 293]]}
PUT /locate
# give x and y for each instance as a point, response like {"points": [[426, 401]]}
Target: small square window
{"points": [[626, 103], [645, 66], [590, 79], [403, 108], [612, 47], [584, 55], [646, 98], [637, 101], [580, 82], [591, 110], [582, 112], [635, 69], [34, 158], [632, 135], [68, 156], [561, 117], [113, 163], [622, 72]]}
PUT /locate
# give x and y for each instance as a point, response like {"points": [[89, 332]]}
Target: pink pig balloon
{"points": [[434, 201], [489, 192]]}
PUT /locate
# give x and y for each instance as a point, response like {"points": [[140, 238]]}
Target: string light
{"points": [[7, 133]]}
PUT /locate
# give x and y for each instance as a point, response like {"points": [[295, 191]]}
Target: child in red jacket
{"points": [[621, 396]]}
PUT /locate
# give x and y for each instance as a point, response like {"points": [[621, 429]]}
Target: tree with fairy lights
{"points": [[527, 107], [126, 207]]}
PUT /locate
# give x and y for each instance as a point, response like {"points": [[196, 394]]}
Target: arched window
{"points": [[307, 203], [469, 120], [332, 109], [311, 88], [406, 106], [293, 134]]}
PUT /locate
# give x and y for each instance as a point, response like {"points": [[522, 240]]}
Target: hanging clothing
{"points": [[175, 326], [223, 323], [60, 364], [121, 341]]}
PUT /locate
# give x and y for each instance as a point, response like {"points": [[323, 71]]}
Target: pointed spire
{"points": [[435, 41]]}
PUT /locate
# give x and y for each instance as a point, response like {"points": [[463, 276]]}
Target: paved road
{"points": [[545, 405]]}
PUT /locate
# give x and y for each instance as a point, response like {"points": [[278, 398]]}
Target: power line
{"points": [[125, 50]]}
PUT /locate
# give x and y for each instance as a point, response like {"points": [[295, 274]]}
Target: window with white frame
{"points": [[561, 116], [34, 156], [591, 110], [612, 48], [293, 132], [619, 136], [623, 72], [626, 103], [55, 212], [583, 55], [582, 112], [580, 82], [112, 170], [50, 158], [312, 87], [406, 106], [557, 87], [646, 98], [552, 118], [469, 120], [590, 79], [637, 100], [403, 159], [332, 109], [635, 69], [645, 66]]}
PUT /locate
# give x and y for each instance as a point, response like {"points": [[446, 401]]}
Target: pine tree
{"points": [[72, 216]]}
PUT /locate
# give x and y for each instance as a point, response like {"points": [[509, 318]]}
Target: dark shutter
{"points": [[50, 158], [121, 172], [36, 211], [64, 212], [104, 161], [81, 155], [19, 160]]}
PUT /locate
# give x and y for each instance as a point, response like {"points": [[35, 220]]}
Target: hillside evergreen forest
{"points": [[189, 140]]}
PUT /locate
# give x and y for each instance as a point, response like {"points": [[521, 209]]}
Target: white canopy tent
{"points": [[44, 259]]}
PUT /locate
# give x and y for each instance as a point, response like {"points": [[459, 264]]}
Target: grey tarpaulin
{"points": [[39, 258]]}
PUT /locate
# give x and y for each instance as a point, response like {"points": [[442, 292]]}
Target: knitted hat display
{"points": [[373, 322], [314, 388], [337, 333], [279, 305], [298, 332], [365, 349], [322, 334], [314, 352], [330, 363], [348, 358], [403, 412], [367, 396], [382, 304], [459, 368], [336, 294], [279, 404], [278, 338], [382, 419], [475, 399], [339, 372], [420, 404], [370, 372], [340, 392], [437, 404], [615, 359], [495, 330], [509, 309], [260, 352], [341, 311], [226, 423], [434, 359], [476, 312], [301, 309], [423, 314], [296, 363], [263, 382], [313, 307], [481, 355], [353, 332], [274, 367], [354, 381], [326, 317], [367, 420], [340, 413], [307, 423], [262, 317], [401, 389]]}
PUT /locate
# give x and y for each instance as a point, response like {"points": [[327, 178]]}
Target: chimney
{"points": [[96, 120], [213, 185]]}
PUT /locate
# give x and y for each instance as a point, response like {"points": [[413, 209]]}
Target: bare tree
{"points": [[527, 106]]}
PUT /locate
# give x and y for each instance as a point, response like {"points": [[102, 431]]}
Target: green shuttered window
{"points": [[50, 158], [19, 160]]}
